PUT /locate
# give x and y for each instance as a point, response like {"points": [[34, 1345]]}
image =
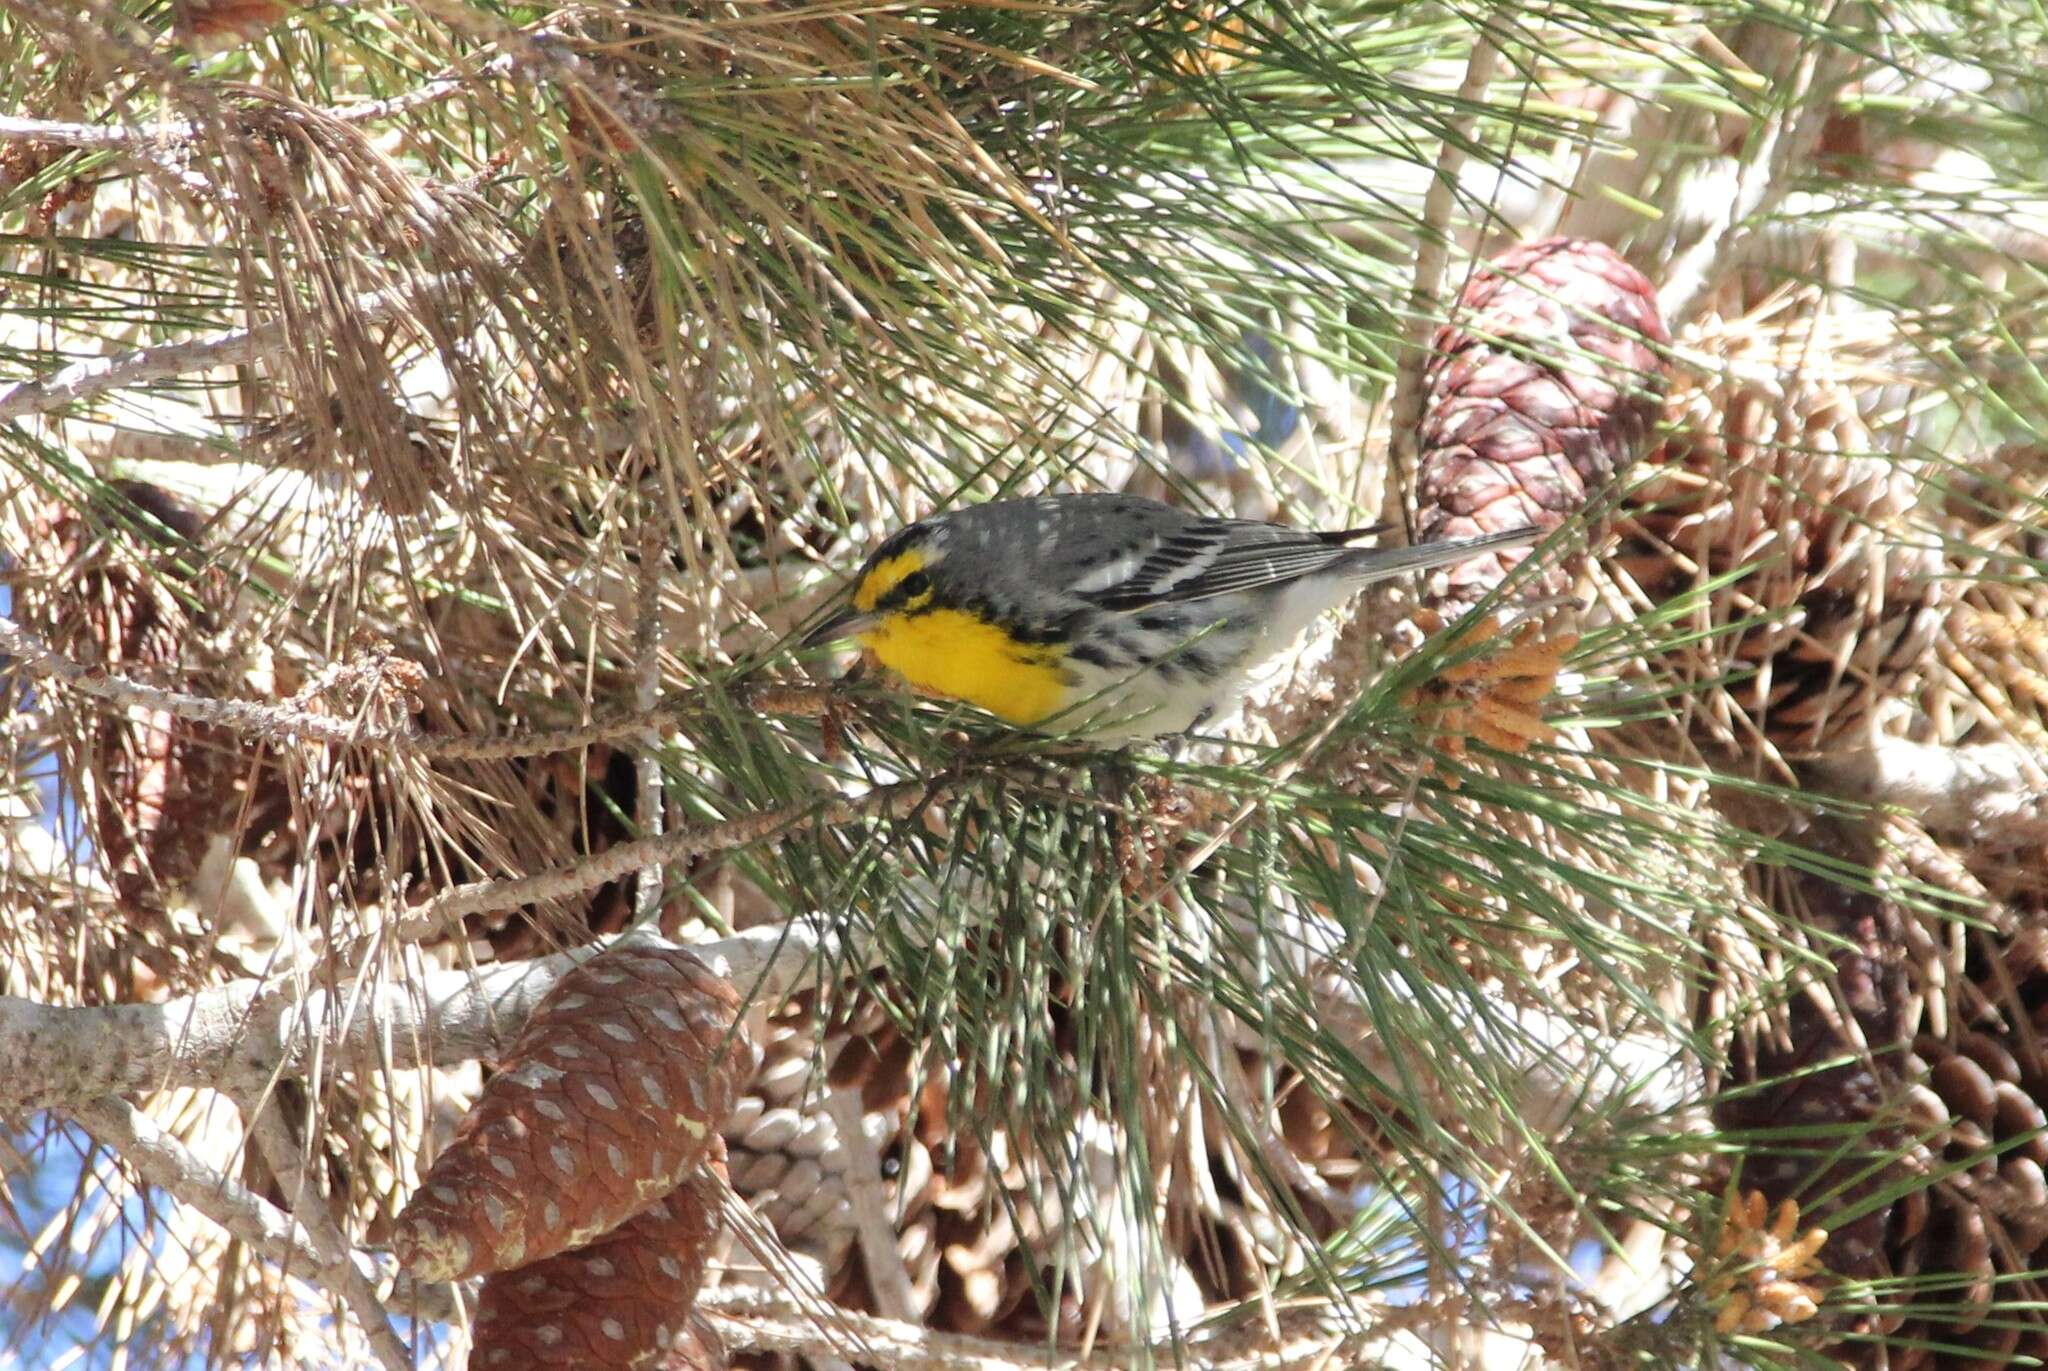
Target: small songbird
{"points": [[1110, 617]]}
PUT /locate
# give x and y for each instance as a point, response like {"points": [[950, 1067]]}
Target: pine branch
{"points": [[286, 1158], [651, 801], [232, 347], [250, 1030], [153, 139], [615, 863], [166, 1163], [289, 723]]}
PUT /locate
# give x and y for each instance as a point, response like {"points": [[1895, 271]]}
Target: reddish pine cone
{"points": [[611, 1096], [1542, 385], [211, 25], [623, 1303]]}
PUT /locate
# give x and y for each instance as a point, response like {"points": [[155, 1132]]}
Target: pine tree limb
{"points": [[1432, 254], [169, 1165], [96, 376], [54, 1056]]}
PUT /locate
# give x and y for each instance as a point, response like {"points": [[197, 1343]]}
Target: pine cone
{"points": [[976, 1267], [152, 784], [610, 1097], [979, 1231], [1978, 1234], [1779, 1085], [958, 1249], [1839, 611], [782, 1139], [622, 1303], [1543, 384]]}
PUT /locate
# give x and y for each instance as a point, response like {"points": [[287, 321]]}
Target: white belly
{"points": [[1195, 679]]}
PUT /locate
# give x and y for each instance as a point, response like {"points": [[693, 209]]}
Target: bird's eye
{"points": [[913, 585]]}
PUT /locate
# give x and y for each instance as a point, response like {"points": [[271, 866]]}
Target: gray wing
{"points": [[1202, 558]]}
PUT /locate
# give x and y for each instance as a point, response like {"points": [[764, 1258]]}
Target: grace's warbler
{"points": [[1105, 616]]}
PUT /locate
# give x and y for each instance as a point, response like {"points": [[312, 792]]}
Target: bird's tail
{"points": [[1378, 563]]}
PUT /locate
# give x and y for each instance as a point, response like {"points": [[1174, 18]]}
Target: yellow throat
{"points": [[953, 653]]}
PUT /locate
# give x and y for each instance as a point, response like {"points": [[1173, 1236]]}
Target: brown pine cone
{"points": [[1979, 1234], [1544, 383], [1839, 608], [1814, 1076], [612, 1094], [154, 786], [622, 1303]]}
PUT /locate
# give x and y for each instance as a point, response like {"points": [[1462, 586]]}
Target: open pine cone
{"points": [[141, 775], [1810, 1073], [1837, 608], [1982, 1231], [1947, 1091]]}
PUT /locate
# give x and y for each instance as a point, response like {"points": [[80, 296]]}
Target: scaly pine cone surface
{"points": [[1544, 383]]}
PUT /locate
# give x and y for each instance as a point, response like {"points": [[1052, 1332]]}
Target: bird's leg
{"points": [[1113, 774], [1120, 792], [1178, 743]]}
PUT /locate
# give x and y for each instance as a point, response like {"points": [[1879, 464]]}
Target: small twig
{"points": [[1763, 178], [1432, 253], [287, 723], [285, 1158], [166, 1163], [651, 801], [874, 1220], [615, 863], [431, 92]]}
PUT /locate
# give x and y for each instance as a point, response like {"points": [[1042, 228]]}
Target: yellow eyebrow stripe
{"points": [[884, 578]]}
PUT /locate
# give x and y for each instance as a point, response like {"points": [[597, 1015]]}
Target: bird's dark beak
{"points": [[845, 622]]}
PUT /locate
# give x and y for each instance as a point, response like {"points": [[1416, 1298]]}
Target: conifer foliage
{"points": [[446, 919]]}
